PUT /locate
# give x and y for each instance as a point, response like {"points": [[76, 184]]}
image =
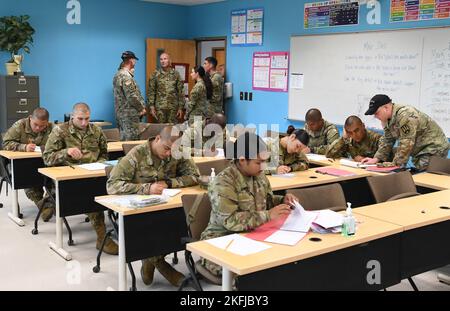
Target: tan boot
{"points": [[98, 222], [48, 210], [173, 276], [147, 271]]}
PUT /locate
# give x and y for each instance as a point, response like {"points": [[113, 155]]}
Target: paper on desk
{"points": [[299, 220], [286, 237], [317, 157], [37, 149], [328, 219], [287, 175], [170, 192], [352, 163], [112, 162], [133, 200], [93, 166], [240, 245], [220, 153]]}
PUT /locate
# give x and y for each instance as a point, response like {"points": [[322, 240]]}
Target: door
{"points": [[219, 54], [181, 52]]}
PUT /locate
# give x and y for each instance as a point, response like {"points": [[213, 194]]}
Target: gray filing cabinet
{"points": [[19, 96]]}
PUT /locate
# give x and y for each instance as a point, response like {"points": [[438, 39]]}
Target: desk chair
{"points": [[321, 197], [393, 187], [112, 134], [219, 165], [197, 209], [439, 165], [113, 217], [148, 130]]}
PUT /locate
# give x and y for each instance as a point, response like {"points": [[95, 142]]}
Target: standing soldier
{"points": [[216, 102], [25, 135], [165, 93], [79, 142], [321, 133], [418, 135], [149, 169], [128, 101], [357, 142]]}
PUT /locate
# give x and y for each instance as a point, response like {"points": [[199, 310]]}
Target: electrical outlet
{"points": [[250, 96], [246, 96], [241, 95]]}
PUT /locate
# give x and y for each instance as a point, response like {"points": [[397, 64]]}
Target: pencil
{"points": [[229, 244]]}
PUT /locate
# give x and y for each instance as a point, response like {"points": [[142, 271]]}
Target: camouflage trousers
{"points": [[167, 115], [421, 162], [35, 194], [128, 128], [212, 267]]}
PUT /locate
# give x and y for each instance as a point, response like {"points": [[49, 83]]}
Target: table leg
{"points": [[122, 258], [14, 214], [227, 279]]}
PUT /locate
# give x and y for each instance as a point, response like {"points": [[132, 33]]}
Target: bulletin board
{"points": [[271, 71]]}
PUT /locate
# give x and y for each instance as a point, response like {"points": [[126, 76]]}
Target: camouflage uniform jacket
{"points": [[198, 104], [92, 143], [296, 161], [217, 97], [20, 134], [128, 100], [319, 141], [165, 90], [140, 168], [417, 135], [347, 147], [239, 203]]}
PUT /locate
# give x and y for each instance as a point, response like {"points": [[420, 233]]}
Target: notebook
{"points": [[334, 172]]}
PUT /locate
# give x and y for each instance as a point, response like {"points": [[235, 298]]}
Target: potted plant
{"points": [[16, 34]]}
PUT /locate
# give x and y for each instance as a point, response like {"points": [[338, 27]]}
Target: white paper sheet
{"points": [[261, 76], [287, 175], [238, 244], [278, 79], [297, 81], [286, 237], [317, 157], [220, 153], [328, 219], [352, 163], [299, 220], [171, 192], [93, 166], [38, 149]]}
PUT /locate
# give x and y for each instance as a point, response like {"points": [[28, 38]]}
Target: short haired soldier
{"points": [[417, 134], [25, 135], [79, 142], [356, 142], [241, 196], [321, 132], [216, 101], [149, 169], [128, 102]]}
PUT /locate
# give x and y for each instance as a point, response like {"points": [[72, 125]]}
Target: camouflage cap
{"points": [[128, 55]]}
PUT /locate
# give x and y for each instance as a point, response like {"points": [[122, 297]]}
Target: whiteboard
{"points": [[341, 72]]}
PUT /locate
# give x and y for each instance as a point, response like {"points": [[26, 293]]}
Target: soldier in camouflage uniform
{"points": [[357, 142], [79, 142], [287, 153], [165, 97], [418, 135], [216, 102], [128, 101], [148, 169], [241, 196], [321, 133], [25, 135], [201, 93]]}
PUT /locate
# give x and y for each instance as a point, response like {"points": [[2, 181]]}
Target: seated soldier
{"points": [[321, 133], [149, 169]]}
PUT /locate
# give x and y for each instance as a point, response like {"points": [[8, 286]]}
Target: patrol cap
{"points": [[128, 55], [376, 102]]}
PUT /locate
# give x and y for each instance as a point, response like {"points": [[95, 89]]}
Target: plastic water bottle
{"points": [[213, 174], [349, 222]]}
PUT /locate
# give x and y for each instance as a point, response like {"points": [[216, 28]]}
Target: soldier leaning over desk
{"points": [[241, 196], [321, 132], [79, 142], [25, 135], [357, 142], [149, 169], [418, 135]]}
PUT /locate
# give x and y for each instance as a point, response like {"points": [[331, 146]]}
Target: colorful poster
{"points": [[331, 13], [247, 27], [270, 71], [417, 10]]}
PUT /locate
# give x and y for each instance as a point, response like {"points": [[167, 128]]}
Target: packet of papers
{"points": [[351, 163], [147, 200]]}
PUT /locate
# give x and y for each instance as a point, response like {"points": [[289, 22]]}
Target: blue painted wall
{"points": [[283, 18], [77, 62]]}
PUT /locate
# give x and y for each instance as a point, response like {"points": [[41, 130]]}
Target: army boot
{"points": [[48, 209], [173, 276], [147, 271], [98, 222]]}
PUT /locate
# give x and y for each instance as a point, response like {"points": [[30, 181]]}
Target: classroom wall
{"points": [[77, 62], [283, 18]]}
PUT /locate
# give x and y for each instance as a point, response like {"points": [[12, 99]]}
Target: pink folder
{"points": [[334, 171], [382, 169]]}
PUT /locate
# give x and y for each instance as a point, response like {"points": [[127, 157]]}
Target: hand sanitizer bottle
{"points": [[351, 223], [213, 174]]}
